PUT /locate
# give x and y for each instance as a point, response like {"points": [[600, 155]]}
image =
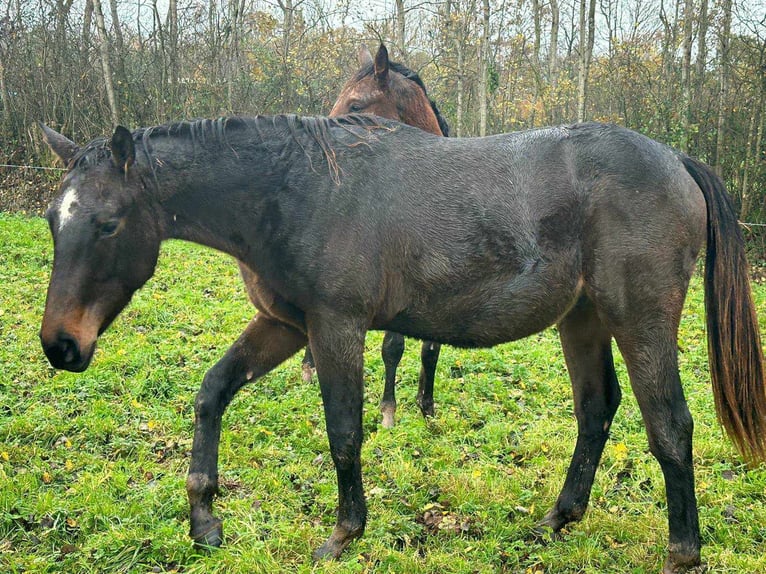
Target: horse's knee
{"points": [[210, 400], [670, 438]]}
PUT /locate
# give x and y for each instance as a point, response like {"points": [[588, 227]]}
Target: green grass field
{"points": [[93, 466]]}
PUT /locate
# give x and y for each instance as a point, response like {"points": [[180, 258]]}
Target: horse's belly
{"points": [[492, 311]]}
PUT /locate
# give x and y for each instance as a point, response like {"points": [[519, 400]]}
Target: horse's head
{"points": [[390, 90], [106, 244]]}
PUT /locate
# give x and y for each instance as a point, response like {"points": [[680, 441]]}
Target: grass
{"points": [[92, 466]]}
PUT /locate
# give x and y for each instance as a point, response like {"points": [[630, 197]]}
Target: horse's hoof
{"points": [[388, 411], [208, 535], [552, 520], [542, 534], [307, 373], [427, 411], [336, 543], [683, 562], [388, 420]]}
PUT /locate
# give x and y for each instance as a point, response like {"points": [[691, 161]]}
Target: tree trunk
{"points": [[288, 19], [536, 9], [105, 65], [724, 39], [586, 51], [553, 54], [459, 103], [686, 81], [87, 22], [400, 29], [484, 71], [172, 28], [754, 136]]}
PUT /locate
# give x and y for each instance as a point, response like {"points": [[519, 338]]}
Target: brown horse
{"points": [[391, 90], [359, 223]]}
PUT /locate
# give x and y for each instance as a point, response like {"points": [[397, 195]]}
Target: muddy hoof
{"points": [[552, 520], [208, 535], [307, 372], [686, 563], [336, 544], [388, 410], [426, 408]]}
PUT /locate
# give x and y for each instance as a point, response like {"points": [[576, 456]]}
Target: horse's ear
{"points": [[123, 149], [381, 66], [364, 56], [64, 148]]}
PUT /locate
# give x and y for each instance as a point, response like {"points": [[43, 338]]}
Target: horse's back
{"points": [[488, 239]]}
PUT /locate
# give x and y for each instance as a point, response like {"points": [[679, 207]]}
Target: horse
{"points": [[391, 90], [360, 223]]}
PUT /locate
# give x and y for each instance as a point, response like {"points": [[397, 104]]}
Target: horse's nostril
{"points": [[70, 351], [64, 352]]}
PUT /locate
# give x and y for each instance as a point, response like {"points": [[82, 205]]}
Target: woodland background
{"points": [[690, 73]]}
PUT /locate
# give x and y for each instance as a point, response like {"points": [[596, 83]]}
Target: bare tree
{"points": [[105, 65], [586, 52], [400, 28], [554, 46], [724, 42], [484, 55], [686, 79]]}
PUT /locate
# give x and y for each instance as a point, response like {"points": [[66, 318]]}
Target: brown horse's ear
{"points": [[123, 149], [364, 56], [64, 148], [381, 66]]}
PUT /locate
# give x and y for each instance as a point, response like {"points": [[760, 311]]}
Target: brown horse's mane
{"points": [[369, 69]]}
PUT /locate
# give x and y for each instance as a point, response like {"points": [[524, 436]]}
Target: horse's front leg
{"points": [[263, 345], [338, 348]]}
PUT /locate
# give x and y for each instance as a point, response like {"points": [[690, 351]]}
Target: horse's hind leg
{"points": [[391, 352], [263, 345], [588, 352], [429, 356], [651, 357]]}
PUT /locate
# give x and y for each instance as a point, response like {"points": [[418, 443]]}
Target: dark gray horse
{"points": [[359, 223]]}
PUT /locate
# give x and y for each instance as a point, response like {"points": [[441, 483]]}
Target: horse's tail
{"points": [[734, 342]]}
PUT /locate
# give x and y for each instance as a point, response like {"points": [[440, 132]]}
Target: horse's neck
{"points": [[216, 197]]}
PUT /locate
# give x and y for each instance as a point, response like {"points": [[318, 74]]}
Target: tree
{"points": [[586, 52], [106, 67], [724, 39]]}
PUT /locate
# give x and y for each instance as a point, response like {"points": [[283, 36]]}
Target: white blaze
{"points": [[66, 207]]}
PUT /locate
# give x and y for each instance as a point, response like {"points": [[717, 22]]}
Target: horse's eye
{"points": [[109, 228]]}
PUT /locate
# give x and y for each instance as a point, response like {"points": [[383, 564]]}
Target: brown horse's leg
{"points": [[429, 356], [391, 351], [338, 350], [651, 357], [588, 352], [263, 345]]}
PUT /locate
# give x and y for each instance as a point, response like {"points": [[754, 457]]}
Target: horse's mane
{"points": [[201, 132], [369, 70]]}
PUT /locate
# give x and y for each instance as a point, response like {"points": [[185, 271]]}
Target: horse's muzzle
{"points": [[64, 352]]}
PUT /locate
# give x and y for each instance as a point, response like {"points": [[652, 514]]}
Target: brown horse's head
{"points": [[390, 90], [105, 244]]}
